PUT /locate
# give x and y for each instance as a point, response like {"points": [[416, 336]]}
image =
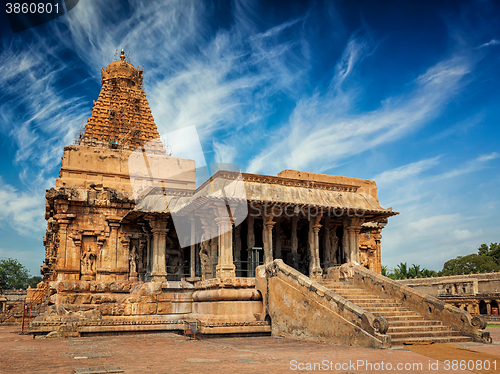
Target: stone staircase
{"points": [[405, 325]]}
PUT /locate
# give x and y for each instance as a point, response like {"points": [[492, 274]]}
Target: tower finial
{"points": [[122, 56]]}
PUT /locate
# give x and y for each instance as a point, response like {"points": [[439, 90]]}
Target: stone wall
{"points": [[456, 284]]}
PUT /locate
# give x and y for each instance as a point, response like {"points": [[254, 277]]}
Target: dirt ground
{"points": [[171, 353]]}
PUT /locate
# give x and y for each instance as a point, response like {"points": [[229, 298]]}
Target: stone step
{"points": [[418, 328], [408, 313], [409, 323], [405, 325], [377, 301], [447, 339], [404, 318], [379, 305], [387, 309], [356, 295], [358, 299], [423, 334]]}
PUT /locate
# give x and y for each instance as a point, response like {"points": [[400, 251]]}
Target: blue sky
{"points": [[405, 93]]}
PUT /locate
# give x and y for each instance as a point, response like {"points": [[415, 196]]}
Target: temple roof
{"points": [[232, 187]]}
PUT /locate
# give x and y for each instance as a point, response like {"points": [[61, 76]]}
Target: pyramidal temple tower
{"points": [[121, 117], [86, 238]]}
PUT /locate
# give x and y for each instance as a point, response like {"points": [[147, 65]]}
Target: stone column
{"points": [[294, 242], [327, 245], [378, 261], [354, 229], [214, 252], [225, 267], [277, 250], [346, 256], [66, 253], [250, 232], [267, 237], [143, 250], [109, 251], [488, 308], [206, 253], [123, 260], [475, 307], [159, 229], [237, 249], [314, 262], [192, 254]]}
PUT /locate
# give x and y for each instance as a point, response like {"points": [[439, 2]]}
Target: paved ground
{"points": [[170, 353]]}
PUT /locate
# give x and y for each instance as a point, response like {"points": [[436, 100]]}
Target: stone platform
{"points": [[220, 305]]}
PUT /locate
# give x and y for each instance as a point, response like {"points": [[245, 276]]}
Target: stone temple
{"points": [[132, 244]]}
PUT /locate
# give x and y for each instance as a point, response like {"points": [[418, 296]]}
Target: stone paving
{"points": [[171, 353]]}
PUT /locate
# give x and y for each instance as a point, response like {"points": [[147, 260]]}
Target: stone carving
{"points": [[347, 269], [479, 321], [206, 271], [364, 258], [141, 256], [88, 263], [133, 257], [381, 325], [173, 257], [331, 245]]}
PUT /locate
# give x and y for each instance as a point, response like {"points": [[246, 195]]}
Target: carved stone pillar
{"points": [[488, 308], [159, 230], [314, 260], [354, 229], [345, 241], [250, 232], [237, 249], [294, 243], [108, 264], [66, 269], [378, 260], [192, 254], [143, 250], [225, 267], [267, 237], [214, 255], [277, 249], [206, 253], [123, 260]]}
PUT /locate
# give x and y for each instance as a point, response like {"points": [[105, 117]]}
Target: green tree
{"points": [[13, 274], [492, 251], [473, 263], [401, 271], [34, 280], [385, 272]]}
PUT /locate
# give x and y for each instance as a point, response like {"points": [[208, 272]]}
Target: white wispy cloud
{"points": [[405, 171], [21, 210], [488, 157], [491, 42], [329, 123]]}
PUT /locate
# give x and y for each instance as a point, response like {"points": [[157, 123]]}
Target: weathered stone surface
{"points": [[305, 309]]}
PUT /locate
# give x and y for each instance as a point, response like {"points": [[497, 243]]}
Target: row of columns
{"points": [[221, 249]]}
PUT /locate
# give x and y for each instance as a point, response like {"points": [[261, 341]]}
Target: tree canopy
{"points": [[472, 263], [403, 271], [14, 275], [487, 259]]}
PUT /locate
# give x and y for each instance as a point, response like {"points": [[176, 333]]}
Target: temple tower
{"points": [[86, 238]]}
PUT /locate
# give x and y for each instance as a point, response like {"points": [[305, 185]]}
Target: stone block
{"points": [[174, 307], [120, 287]]}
